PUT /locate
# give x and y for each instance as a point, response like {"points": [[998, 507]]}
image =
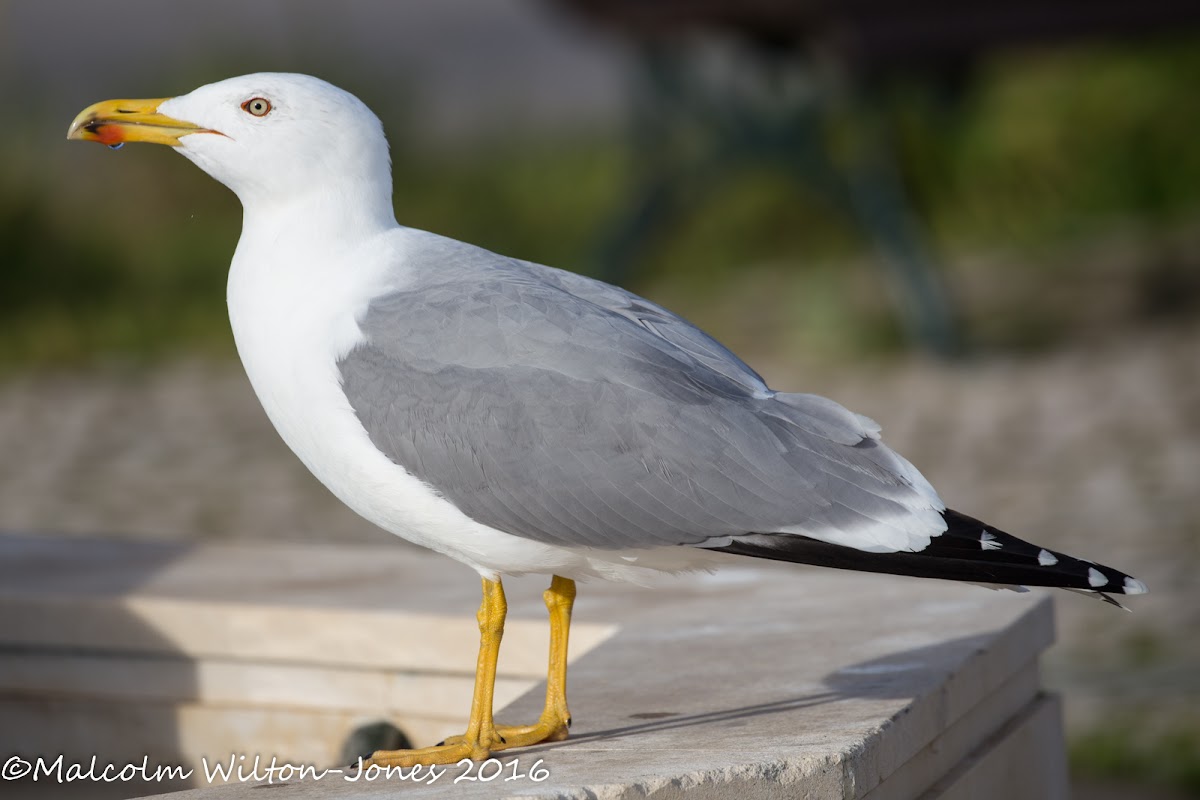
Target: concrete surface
{"points": [[753, 682]]}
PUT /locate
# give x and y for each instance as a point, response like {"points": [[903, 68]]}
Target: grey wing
{"points": [[685, 336], [540, 413]]}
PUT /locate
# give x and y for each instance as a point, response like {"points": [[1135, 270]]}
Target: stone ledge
{"points": [[758, 681]]}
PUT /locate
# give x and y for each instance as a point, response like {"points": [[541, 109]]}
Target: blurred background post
{"points": [[846, 194]]}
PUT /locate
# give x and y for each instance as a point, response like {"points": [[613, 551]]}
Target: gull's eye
{"points": [[258, 106]]}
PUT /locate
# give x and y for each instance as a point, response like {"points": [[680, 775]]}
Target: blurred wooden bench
{"points": [[881, 35], [844, 53]]}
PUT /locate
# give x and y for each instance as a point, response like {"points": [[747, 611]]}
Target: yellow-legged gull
{"points": [[522, 419]]}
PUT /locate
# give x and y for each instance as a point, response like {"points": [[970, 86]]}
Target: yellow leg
{"points": [[552, 725], [481, 736]]}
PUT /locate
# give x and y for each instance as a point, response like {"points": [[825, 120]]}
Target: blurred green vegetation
{"points": [[124, 255], [1134, 751]]}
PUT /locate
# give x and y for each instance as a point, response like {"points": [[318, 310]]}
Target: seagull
{"points": [[524, 419]]}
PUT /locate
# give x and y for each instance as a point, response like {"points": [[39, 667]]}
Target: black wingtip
{"points": [[969, 550], [973, 540]]}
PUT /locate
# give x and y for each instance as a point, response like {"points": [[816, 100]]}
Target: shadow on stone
{"points": [[67, 683]]}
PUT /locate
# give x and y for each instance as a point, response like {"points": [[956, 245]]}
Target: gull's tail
{"points": [[968, 551]]}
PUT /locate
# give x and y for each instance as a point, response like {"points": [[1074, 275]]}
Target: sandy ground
{"points": [[1092, 449]]}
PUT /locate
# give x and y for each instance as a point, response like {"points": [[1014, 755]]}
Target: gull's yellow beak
{"points": [[115, 122]]}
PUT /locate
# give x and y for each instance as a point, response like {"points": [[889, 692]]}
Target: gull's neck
{"points": [[303, 273], [325, 217], [315, 254]]}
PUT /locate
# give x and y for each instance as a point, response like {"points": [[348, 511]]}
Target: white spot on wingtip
{"points": [[1047, 559], [1096, 577], [988, 541], [1134, 586]]}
